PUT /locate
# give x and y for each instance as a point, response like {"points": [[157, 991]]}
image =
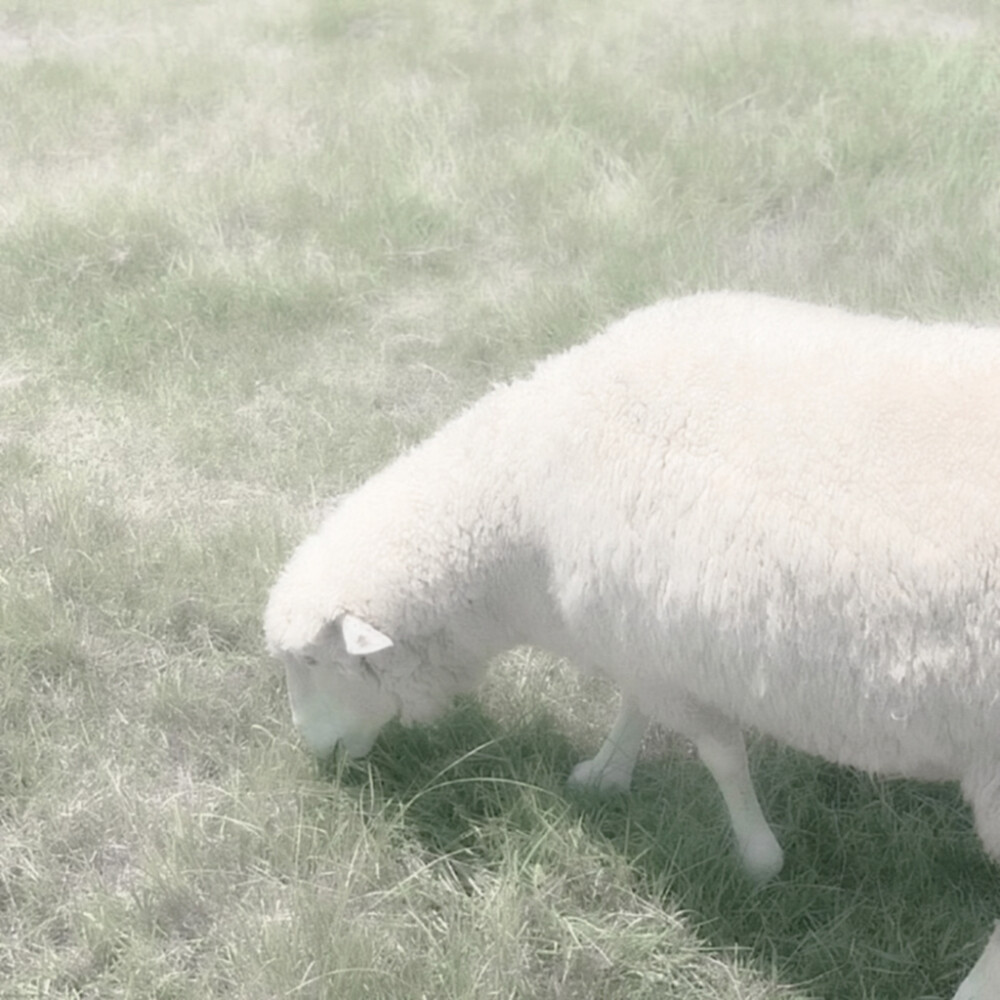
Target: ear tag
{"points": [[360, 638]]}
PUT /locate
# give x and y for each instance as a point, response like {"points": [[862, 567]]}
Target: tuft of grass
{"points": [[251, 250]]}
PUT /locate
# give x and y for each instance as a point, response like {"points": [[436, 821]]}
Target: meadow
{"points": [[252, 249]]}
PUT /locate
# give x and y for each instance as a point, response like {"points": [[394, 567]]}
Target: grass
{"points": [[248, 252]]}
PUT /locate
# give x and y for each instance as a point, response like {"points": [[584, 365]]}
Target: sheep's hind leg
{"points": [[611, 769], [983, 981], [722, 750]]}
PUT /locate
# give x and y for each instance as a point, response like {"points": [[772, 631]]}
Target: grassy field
{"points": [[251, 249]]}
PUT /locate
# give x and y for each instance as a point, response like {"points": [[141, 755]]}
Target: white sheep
{"points": [[747, 512]]}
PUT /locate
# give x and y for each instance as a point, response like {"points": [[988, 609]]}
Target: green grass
{"points": [[251, 249]]}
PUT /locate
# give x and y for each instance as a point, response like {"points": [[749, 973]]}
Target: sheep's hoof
{"points": [[762, 857], [592, 776]]}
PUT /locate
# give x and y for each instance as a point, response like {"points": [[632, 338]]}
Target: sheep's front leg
{"points": [[983, 981], [611, 769], [723, 752]]}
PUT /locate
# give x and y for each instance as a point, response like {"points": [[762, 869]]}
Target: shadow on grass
{"points": [[885, 893]]}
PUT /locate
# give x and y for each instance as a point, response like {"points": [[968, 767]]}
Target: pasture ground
{"points": [[249, 250]]}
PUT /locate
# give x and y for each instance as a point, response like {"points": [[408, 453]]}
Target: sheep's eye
{"points": [[368, 668]]}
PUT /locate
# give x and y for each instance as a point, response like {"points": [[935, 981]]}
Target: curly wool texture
{"points": [[779, 512]]}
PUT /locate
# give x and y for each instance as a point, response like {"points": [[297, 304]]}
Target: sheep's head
{"points": [[336, 688]]}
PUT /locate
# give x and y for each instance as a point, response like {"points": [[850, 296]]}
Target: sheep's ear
{"points": [[360, 638]]}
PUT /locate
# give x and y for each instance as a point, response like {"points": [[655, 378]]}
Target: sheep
{"points": [[745, 511]]}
